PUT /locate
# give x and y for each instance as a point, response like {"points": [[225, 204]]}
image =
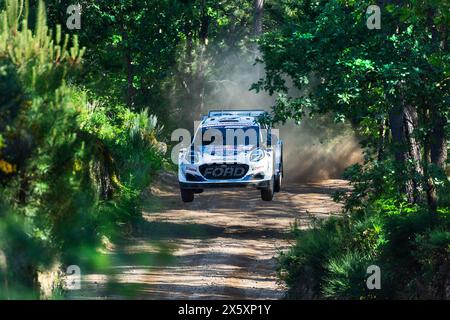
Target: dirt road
{"points": [[221, 246]]}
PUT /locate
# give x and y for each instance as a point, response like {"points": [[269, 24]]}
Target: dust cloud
{"points": [[314, 155], [315, 150]]}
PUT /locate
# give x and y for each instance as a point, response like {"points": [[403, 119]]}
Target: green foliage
{"points": [[345, 275], [325, 50], [303, 266], [360, 75], [330, 260], [71, 169], [17, 240]]}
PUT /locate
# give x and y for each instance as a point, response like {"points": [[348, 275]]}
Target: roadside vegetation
{"points": [[392, 85], [71, 166]]}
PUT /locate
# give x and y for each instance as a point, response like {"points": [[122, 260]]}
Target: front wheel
{"points": [[267, 193], [187, 195]]}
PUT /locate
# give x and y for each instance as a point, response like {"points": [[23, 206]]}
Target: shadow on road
{"points": [[221, 246]]}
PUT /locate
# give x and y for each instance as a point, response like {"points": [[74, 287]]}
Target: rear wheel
{"points": [[277, 184], [267, 193], [187, 195], [278, 178]]}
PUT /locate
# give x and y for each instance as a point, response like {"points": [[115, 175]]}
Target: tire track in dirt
{"points": [[221, 246]]}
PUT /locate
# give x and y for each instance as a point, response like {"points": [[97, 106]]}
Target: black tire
{"points": [[277, 184], [267, 193], [279, 177], [187, 195]]}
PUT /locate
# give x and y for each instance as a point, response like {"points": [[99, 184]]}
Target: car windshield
{"points": [[234, 136]]}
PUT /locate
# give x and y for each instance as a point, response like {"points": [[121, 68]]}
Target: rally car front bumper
{"points": [[230, 176], [225, 184]]}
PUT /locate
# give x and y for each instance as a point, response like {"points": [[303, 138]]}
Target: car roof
{"points": [[236, 112], [228, 120]]}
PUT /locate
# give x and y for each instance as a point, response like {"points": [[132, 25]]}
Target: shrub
{"points": [[331, 259], [346, 276]]}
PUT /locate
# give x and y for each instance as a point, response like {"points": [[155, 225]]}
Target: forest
{"points": [[86, 115]]}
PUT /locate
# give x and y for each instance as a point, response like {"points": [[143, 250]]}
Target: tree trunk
{"points": [[186, 80], [103, 171], [435, 144], [430, 186], [438, 141], [438, 120], [403, 121], [258, 14], [24, 185], [382, 141], [128, 62], [201, 81], [411, 122]]}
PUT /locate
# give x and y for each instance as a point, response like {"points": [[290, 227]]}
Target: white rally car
{"points": [[232, 149]]}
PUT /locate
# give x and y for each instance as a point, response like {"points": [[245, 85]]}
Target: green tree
{"points": [[393, 78]]}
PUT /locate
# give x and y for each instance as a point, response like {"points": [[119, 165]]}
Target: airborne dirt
{"points": [[221, 246]]}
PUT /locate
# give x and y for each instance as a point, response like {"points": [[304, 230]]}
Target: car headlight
{"points": [[192, 156], [257, 155]]}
